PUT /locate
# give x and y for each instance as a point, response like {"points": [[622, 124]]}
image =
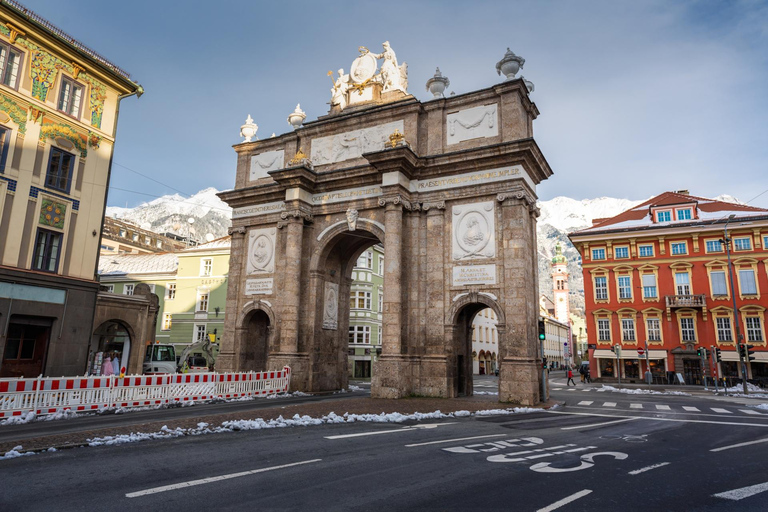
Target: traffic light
{"points": [[700, 352], [618, 350], [742, 351], [613, 348], [718, 355], [544, 363], [542, 330], [749, 353]]}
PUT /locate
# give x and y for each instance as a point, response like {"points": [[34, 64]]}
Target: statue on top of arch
{"points": [[363, 74]]}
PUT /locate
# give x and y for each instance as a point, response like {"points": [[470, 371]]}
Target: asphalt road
{"points": [[601, 451]]}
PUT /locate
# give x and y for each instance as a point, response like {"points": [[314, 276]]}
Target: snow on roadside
{"points": [[485, 393], [750, 387], [762, 406], [640, 391]]}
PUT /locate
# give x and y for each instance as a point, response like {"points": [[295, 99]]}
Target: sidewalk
{"points": [[663, 388]]}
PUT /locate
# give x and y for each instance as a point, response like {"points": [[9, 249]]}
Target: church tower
{"points": [[560, 286]]}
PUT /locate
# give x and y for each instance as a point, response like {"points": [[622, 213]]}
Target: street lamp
{"points": [[727, 242]]}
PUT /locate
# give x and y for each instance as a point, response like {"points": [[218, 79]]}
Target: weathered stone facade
{"points": [[454, 207]]}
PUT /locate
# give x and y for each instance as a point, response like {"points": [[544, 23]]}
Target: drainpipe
{"points": [[138, 92]]}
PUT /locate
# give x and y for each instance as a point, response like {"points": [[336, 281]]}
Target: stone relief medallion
{"points": [[363, 68], [331, 307], [261, 251], [262, 163], [474, 231]]}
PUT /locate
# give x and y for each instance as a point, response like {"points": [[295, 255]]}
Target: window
{"points": [[747, 282], [679, 248], [603, 329], [360, 334], [199, 333], [381, 301], [128, 289], [202, 302], [110, 288], [654, 329], [70, 97], [627, 329], [682, 283], [560, 284], [365, 260], [646, 251], [167, 317], [10, 62], [206, 266], [381, 265], [122, 232], [742, 244], [663, 216], [754, 333], [170, 291], [649, 286], [135, 237], [360, 300], [718, 282], [765, 242], [714, 246], [724, 332], [379, 338], [147, 240], [621, 253], [159, 244], [60, 167], [5, 142], [625, 287], [684, 214], [601, 288], [598, 254], [47, 251], [687, 330]]}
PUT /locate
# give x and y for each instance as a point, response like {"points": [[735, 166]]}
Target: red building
{"points": [[659, 274]]}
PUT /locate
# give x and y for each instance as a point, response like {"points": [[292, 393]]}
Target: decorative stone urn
{"points": [[249, 129], [297, 117], [437, 84], [528, 84], [510, 64]]}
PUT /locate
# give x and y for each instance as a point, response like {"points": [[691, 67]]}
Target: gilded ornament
{"points": [[94, 140], [298, 158], [396, 139], [17, 113], [14, 32]]}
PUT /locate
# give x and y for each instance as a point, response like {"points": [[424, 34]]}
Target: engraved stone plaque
{"points": [[472, 123], [331, 307], [258, 286], [262, 163], [261, 251], [474, 231], [474, 274]]}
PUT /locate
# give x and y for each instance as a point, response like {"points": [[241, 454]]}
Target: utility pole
{"points": [[739, 337], [648, 363], [715, 373]]}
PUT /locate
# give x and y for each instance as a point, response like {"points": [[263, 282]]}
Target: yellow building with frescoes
{"points": [[58, 116]]}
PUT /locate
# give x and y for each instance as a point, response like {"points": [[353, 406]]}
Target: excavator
{"points": [[161, 359]]}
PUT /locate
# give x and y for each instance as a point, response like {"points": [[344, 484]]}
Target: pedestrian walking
{"points": [[587, 376], [570, 377], [581, 373]]}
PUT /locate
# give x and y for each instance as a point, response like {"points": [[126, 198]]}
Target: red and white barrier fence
{"points": [[49, 395]]}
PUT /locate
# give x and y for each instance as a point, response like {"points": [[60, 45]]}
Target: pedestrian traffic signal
{"points": [[749, 353], [718, 355], [700, 352], [542, 330], [618, 350], [544, 363]]}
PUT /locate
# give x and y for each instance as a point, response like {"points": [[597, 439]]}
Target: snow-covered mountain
{"points": [[171, 214]]}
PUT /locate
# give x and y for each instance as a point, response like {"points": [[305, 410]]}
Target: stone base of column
{"points": [[392, 377], [225, 362], [435, 377], [519, 381], [299, 364]]}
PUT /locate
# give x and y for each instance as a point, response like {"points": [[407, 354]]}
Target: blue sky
{"points": [[636, 97]]}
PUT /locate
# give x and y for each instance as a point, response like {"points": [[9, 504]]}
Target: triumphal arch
{"points": [[448, 186]]}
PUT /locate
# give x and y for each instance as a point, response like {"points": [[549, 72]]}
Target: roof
{"points": [[224, 242], [122, 264], [709, 211]]}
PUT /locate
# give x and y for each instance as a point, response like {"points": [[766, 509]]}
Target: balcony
{"points": [[686, 301]]}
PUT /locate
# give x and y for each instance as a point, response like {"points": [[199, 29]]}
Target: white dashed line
{"points": [[663, 408], [609, 404], [597, 424], [739, 445], [586, 402], [720, 411], [635, 406], [648, 468], [691, 409], [573, 497], [744, 492], [749, 411]]}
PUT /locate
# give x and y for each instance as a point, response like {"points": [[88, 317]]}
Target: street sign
{"points": [[640, 351]]}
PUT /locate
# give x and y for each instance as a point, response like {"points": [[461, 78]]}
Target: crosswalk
{"points": [[669, 408]]}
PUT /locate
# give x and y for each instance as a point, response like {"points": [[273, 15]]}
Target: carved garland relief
{"points": [[261, 251], [474, 231], [262, 163], [472, 123]]}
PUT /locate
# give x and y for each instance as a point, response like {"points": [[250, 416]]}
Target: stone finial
{"points": [[437, 84], [528, 84], [249, 129], [297, 117], [510, 64]]}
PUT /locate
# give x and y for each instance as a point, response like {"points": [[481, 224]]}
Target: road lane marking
{"points": [[609, 404], [453, 440], [557, 389], [648, 468], [635, 406], [739, 445], [586, 402], [212, 479], [663, 408], [573, 497], [750, 411], [596, 424], [744, 492], [549, 453], [691, 409], [721, 411], [377, 432], [656, 418], [574, 389]]}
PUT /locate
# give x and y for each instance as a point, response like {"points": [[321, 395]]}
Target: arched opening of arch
{"points": [[110, 348], [256, 337], [476, 342]]}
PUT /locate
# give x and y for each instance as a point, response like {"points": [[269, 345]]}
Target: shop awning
{"points": [[631, 353]]}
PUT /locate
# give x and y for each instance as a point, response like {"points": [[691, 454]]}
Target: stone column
{"points": [[435, 277], [291, 299], [230, 354]]}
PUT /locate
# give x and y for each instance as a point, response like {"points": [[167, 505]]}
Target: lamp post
{"points": [[727, 242]]}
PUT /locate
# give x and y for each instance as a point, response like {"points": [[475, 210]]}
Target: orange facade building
{"points": [[658, 276]]}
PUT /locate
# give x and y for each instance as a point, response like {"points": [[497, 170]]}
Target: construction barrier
{"points": [[50, 395]]}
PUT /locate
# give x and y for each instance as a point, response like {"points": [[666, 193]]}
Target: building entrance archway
{"points": [[454, 205]]}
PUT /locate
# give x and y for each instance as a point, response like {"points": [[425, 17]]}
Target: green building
{"points": [[366, 300]]}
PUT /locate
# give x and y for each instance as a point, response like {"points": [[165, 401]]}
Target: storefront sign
{"points": [[258, 286], [474, 274]]}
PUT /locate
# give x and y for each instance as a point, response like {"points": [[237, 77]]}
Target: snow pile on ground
{"points": [[281, 395], [762, 406], [739, 388], [15, 452], [355, 388], [485, 392], [640, 391]]}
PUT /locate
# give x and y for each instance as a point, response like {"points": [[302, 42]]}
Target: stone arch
{"points": [[254, 332], [101, 342], [466, 299]]}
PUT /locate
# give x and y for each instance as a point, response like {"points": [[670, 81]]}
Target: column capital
{"points": [[396, 201], [295, 215], [236, 231], [433, 208]]}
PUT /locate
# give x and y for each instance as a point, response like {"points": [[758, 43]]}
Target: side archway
{"points": [[255, 335]]}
